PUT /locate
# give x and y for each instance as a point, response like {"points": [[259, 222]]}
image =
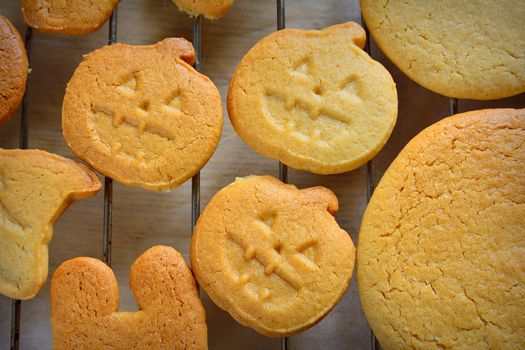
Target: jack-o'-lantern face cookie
{"points": [[272, 255], [70, 17], [35, 188], [141, 114], [84, 305], [313, 99]]}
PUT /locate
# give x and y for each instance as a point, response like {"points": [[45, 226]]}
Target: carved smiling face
{"points": [[35, 187], [313, 99], [142, 114], [272, 255]]}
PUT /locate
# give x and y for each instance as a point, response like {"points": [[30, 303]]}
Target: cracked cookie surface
{"points": [[85, 298], [463, 49], [313, 99], [35, 188], [13, 69], [272, 255], [440, 259], [70, 17], [141, 114]]}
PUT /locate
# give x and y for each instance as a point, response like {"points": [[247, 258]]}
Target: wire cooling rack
{"points": [[195, 181]]}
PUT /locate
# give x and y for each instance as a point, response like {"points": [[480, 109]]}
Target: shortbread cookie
{"points": [[211, 9], [440, 262], [272, 255], [35, 188], [141, 114], [85, 298], [71, 17], [457, 48], [13, 69], [313, 99]]}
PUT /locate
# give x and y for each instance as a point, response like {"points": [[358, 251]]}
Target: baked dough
{"points": [[141, 114], [211, 9], [85, 298], [35, 188], [13, 69], [441, 254], [313, 99], [272, 255], [457, 48], [70, 17]]}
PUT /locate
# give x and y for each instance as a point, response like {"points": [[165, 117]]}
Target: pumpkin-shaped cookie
{"points": [[272, 255], [313, 99], [141, 114]]}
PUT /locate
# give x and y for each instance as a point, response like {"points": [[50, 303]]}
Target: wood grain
{"points": [[142, 218]]}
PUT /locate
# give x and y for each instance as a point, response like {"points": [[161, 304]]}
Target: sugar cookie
{"points": [[84, 305], [272, 255], [211, 9], [313, 99], [13, 69], [457, 48], [440, 262], [71, 17], [35, 188], [141, 114]]}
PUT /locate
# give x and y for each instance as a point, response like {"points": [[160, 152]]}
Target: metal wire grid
{"points": [[195, 181]]}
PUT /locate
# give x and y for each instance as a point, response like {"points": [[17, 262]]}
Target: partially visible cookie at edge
{"points": [[456, 48], [272, 255], [313, 99], [13, 69], [35, 188], [72, 17], [440, 262], [141, 114], [211, 9], [85, 300]]}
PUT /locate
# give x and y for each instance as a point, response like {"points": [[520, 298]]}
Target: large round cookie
{"points": [[457, 48], [441, 254], [211, 9], [272, 255], [141, 114], [313, 99], [71, 17], [13, 69]]}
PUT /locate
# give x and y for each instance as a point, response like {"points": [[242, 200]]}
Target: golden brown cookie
{"points": [[272, 255], [141, 114], [441, 255], [35, 188], [457, 48], [211, 9], [70, 17], [13, 69], [313, 99], [85, 298]]}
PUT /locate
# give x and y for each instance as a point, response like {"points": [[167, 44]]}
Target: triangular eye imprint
{"points": [[84, 304], [129, 85]]}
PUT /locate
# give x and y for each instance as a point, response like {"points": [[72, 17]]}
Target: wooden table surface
{"points": [[142, 218]]}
